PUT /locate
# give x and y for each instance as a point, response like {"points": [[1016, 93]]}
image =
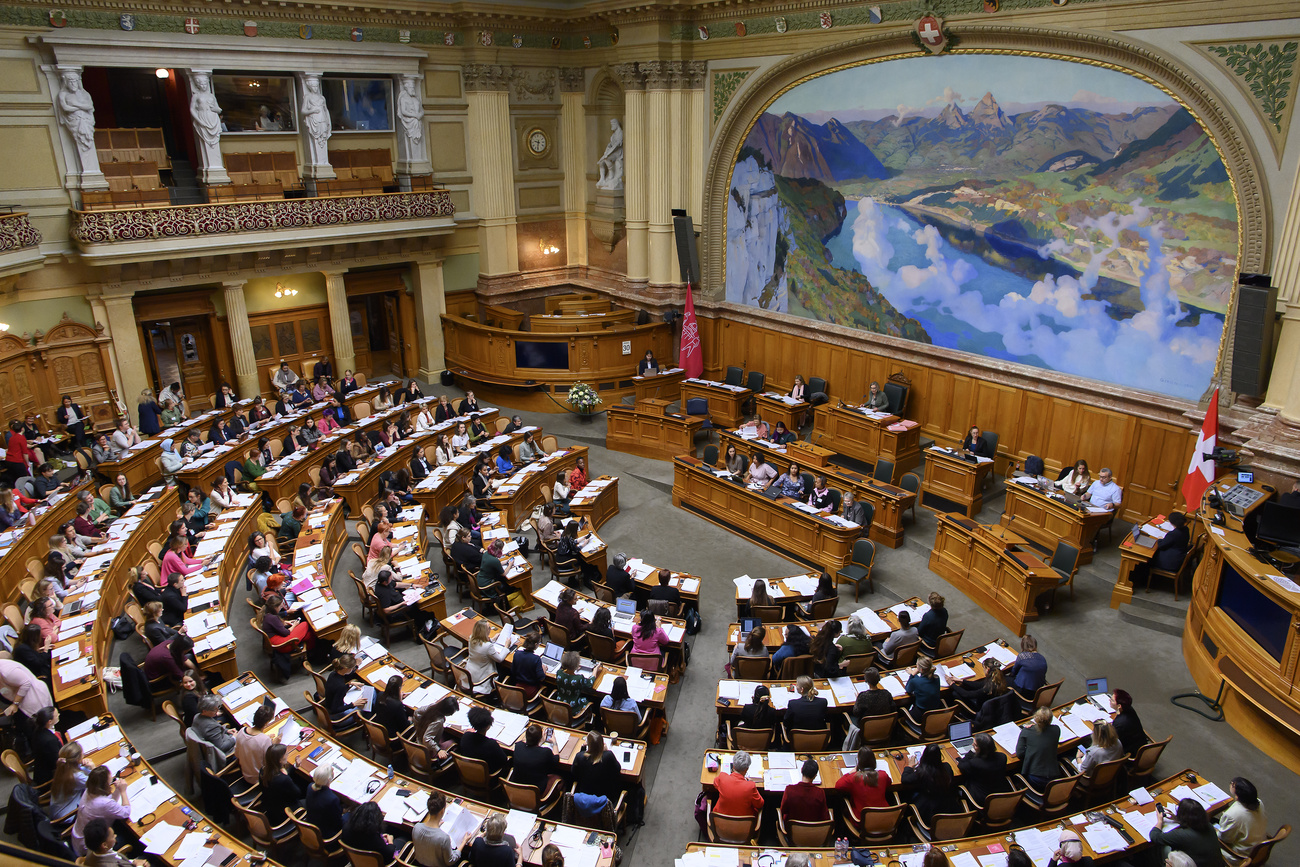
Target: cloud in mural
{"points": [[1054, 322], [948, 97]]}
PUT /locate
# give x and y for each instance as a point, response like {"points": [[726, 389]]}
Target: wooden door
{"points": [[1156, 471], [360, 324], [196, 360], [394, 336]]}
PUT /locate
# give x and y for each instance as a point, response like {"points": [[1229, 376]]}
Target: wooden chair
{"points": [[874, 825], [1100, 784], [561, 714], [421, 762], [904, 655], [1260, 854], [946, 645], [1042, 697], [751, 667], [390, 623], [804, 835], [1065, 563], [819, 611], [381, 745], [796, 666], [737, 830], [531, 799], [439, 664], [515, 699], [858, 572], [549, 445], [1143, 763], [878, 730], [169, 710], [605, 649], [1053, 800], [363, 857], [15, 766], [363, 593], [1185, 570], [932, 727], [264, 834], [999, 809], [768, 613], [806, 740], [335, 730], [316, 844], [942, 826], [751, 740], [858, 663], [467, 684], [318, 678], [475, 776], [625, 723]]}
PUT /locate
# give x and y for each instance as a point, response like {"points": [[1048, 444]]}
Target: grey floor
{"points": [[1137, 648]]}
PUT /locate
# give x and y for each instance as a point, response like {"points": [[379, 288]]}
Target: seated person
{"points": [[760, 472], [976, 444], [1104, 493], [805, 801], [983, 769], [665, 590], [904, 634], [808, 711], [782, 435], [475, 743], [737, 794], [820, 498], [791, 484]]}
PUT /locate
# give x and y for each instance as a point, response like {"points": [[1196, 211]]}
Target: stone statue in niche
{"points": [[77, 114], [316, 123], [412, 150], [205, 111], [410, 111], [610, 163]]}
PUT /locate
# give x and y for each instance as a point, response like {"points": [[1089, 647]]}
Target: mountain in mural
{"points": [[797, 148], [987, 138]]}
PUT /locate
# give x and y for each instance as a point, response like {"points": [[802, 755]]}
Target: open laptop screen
{"points": [[626, 606], [1097, 686]]}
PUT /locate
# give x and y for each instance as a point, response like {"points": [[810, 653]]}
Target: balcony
{"points": [[20, 244], [163, 232]]}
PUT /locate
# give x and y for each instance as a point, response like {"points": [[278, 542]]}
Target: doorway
{"points": [[181, 350], [376, 322]]}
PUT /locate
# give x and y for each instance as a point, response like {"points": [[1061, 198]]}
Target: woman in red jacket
{"points": [[19, 457]]}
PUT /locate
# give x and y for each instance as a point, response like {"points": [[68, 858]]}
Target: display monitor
{"points": [[536, 355], [1250, 608], [1278, 525]]}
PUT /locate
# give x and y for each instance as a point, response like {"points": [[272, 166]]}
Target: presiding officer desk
{"points": [[1047, 518], [993, 566], [664, 385], [725, 401], [774, 524], [953, 483], [869, 436], [1039, 841], [889, 501], [1242, 636]]}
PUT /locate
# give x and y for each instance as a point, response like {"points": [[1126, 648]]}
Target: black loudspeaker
{"points": [[643, 317], [1252, 338], [688, 256], [670, 316], [447, 378]]}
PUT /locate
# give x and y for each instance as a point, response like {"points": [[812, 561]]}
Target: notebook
{"points": [[959, 734]]}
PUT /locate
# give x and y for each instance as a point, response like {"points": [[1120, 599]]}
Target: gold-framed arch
{"points": [[1208, 107]]}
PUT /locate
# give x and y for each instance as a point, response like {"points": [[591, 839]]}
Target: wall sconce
{"points": [[161, 72], [546, 249], [282, 291], [4, 326]]}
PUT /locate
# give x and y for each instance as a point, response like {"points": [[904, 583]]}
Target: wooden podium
{"points": [[650, 431], [665, 386], [772, 409], [808, 455], [857, 435], [724, 403], [953, 484], [988, 565], [1037, 516]]}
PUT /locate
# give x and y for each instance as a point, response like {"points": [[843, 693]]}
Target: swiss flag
{"points": [[1200, 472], [691, 355]]}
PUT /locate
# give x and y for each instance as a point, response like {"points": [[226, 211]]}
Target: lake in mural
{"points": [[1035, 210]]}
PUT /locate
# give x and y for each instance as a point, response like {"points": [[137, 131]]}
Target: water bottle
{"points": [[390, 773], [841, 849]]}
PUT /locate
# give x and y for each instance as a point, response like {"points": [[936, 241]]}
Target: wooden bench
{"points": [[131, 146], [363, 164]]}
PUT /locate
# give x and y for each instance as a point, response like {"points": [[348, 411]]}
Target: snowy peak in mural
{"points": [[1071, 218]]}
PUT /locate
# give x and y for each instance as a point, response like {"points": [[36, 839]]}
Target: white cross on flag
{"points": [[1200, 472]]}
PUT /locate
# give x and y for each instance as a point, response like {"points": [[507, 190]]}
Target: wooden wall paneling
{"points": [[283, 331], [17, 394], [1105, 439], [462, 303], [1036, 430], [997, 408], [409, 332], [73, 360], [1155, 469], [1061, 437]]}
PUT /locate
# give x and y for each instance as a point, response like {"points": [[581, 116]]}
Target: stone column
{"points": [[1284, 381], [634, 170], [128, 354], [241, 340], [430, 304], [412, 137], [693, 130], [676, 136], [99, 310], [658, 131], [490, 142], [573, 157], [316, 127], [345, 358], [76, 113], [206, 115]]}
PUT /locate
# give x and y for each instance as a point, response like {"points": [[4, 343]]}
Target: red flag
{"points": [[1200, 472], [691, 355]]}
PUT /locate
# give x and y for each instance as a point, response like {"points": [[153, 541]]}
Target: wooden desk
{"points": [[203, 470], [773, 524], [666, 385], [299, 760], [984, 563], [521, 492], [772, 408], [880, 623], [809, 455], [725, 401], [519, 572], [650, 434], [20, 544], [1043, 837], [558, 323], [867, 437], [953, 484], [1046, 520], [598, 502], [1131, 555], [889, 501], [140, 464], [549, 598]]}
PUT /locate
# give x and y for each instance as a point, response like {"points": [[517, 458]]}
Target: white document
{"points": [[159, 838]]}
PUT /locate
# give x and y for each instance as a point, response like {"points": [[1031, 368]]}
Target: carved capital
{"points": [[658, 74], [693, 74], [630, 76], [485, 76], [532, 85], [573, 79]]}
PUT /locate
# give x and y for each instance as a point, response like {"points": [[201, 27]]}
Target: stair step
{"points": [[1161, 601], [1154, 621]]}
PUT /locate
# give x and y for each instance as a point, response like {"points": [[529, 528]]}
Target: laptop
{"points": [[551, 657], [959, 734], [747, 625], [626, 606], [1097, 686]]}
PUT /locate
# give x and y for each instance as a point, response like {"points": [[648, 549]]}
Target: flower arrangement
{"points": [[583, 397]]}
